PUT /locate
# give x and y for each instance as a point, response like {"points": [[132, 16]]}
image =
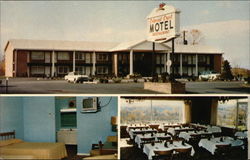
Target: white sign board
{"points": [[163, 24]]}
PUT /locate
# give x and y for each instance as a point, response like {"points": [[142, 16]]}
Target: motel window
{"points": [[146, 111], [232, 114], [68, 119], [102, 57], [201, 69], [102, 70], [208, 60], [158, 59], [80, 70], [63, 69], [37, 55], [37, 70], [202, 58], [63, 55], [184, 58], [79, 56]]}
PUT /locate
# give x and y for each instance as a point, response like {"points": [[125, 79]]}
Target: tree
{"points": [[193, 37], [226, 72]]}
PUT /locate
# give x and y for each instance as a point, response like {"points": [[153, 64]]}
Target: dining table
{"points": [[149, 149], [138, 138], [210, 144]]}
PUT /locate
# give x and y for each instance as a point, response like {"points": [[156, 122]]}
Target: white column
{"points": [[115, 64], [196, 65], [181, 72], [131, 62], [165, 61], [94, 63], [168, 67], [53, 64], [74, 61]]}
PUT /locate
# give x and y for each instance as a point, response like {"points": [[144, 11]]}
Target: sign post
{"points": [[163, 25]]}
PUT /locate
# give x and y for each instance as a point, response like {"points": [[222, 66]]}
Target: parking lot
{"points": [[34, 86]]}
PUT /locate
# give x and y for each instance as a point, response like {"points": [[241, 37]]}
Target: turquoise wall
{"points": [[93, 127], [34, 119], [11, 115], [39, 119]]}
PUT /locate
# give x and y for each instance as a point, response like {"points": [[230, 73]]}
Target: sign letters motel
{"points": [[163, 23]]}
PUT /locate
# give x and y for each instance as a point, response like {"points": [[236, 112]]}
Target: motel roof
{"points": [[25, 44]]}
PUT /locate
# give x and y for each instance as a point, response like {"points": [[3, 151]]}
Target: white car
{"points": [[73, 77], [209, 75]]}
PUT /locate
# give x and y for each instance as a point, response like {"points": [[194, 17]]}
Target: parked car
{"points": [[73, 77], [209, 75]]}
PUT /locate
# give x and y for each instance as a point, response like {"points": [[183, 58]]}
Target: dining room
{"points": [[184, 127]]}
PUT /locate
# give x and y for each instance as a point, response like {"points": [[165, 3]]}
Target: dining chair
{"points": [[161, 139], [163, 155], [183, 153], [154, 126], [147, 140], [222, 151]]}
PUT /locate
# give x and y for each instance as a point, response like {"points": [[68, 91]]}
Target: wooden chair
{"points": [[147, 141], [154, 126], [222, 151], [163, 155], [161, 139], [98, 149], [183, 153]]}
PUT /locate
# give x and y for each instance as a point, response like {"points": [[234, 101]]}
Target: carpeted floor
{"points": [[72, 153]]}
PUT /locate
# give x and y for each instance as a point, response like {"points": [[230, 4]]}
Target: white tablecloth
{"points": [[187, 135], [214, 129], [148, 135], [131, 131], [148, 149], [210, 145], [241, 134]]}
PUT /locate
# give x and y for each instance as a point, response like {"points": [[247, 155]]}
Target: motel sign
{"points": [[163, 23]]}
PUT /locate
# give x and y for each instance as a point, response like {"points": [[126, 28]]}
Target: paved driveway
{"points": [[33, 86]]}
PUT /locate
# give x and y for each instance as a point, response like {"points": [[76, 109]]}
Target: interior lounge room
{"points": [[184, 127], [56, 127]]}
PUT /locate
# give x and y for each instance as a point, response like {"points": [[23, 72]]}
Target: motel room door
{"points": [[143, 64], [22, 66]]}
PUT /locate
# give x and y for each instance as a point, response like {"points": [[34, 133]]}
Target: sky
{"points": [[224, 24]]}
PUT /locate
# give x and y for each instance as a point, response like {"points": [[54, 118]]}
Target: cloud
{"points": [[205, 12], [230, 36], [224, 4]]}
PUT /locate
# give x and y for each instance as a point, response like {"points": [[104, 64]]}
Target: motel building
{"points": [[51, 58]]}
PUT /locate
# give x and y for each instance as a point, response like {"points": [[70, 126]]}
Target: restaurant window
{"points": [[79, 56], [37, 70], [232, 114], [242, 116], [63, 56], [37, 55], [63, 69], [148, 111]]}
